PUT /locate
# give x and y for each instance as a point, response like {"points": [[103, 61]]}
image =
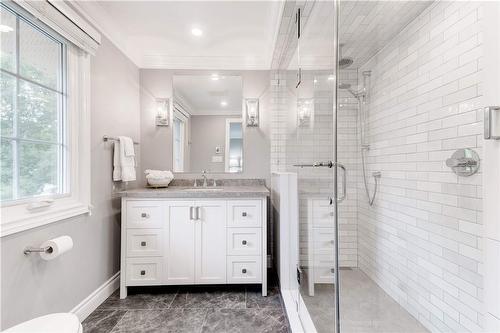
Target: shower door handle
{"points": [[344, 182]]}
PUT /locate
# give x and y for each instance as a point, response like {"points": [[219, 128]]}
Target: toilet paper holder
{"points": [[31, 249]]}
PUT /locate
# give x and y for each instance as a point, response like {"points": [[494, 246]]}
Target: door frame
{"points": [[491, 169]]}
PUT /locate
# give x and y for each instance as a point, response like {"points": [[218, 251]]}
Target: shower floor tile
{"points": [[364, 307], [192, 309]]}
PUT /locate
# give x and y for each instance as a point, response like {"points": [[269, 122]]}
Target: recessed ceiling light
{"points": [[5, 28], [223, 103], [197, 32], [331, 77], [215, 77]]}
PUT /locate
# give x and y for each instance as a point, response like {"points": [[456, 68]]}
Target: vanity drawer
{"points": [[244, 241], [144, 214], [144, 242], [323, 269], [322, 214], [244, 269], [144, 271], [324, 240], [244, 213]]}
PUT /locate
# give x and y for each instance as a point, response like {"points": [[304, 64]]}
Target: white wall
{"points": [[32, 287], [156, 141], [421, 241]]}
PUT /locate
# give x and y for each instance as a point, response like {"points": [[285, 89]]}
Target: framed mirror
{"points": [[207, 124]]}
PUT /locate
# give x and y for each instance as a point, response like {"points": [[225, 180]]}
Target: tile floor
{"points": [[364, 307], [191, 309]]}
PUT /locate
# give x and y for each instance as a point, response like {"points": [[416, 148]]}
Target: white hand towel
{"points": [[128, 145], [117, 168], [127, 163]]}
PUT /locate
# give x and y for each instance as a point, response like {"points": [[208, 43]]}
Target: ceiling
{"points": [[365, 27], [157, 34], [202, 94]]}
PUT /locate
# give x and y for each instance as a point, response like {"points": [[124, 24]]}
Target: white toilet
{"points": [[52, 323]]}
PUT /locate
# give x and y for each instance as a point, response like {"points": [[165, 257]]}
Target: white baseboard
{"points": [[291, 311], [91, 302], [299, 322]]}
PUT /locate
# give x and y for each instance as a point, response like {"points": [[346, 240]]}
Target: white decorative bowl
{"points": [[159, 182]]}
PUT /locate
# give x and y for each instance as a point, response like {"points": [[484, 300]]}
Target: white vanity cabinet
{"points": [[168, 241]]}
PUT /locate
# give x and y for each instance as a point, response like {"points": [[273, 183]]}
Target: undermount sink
{"points": [[204, 189]]}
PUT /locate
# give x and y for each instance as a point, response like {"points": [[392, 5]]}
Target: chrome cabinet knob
{"points": [[244, 270], [143, 272], [244, 242], [143, 243]]}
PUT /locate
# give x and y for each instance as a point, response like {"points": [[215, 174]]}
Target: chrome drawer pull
{"points": [[143, 243], [143, 272], [145, 215], [244, 270], [244, 242], [244, 214]]}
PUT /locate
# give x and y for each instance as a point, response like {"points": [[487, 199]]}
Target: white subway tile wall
{"points": [[421, 241]]}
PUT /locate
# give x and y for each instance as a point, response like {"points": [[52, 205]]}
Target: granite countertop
{"points": [[224, 189]]}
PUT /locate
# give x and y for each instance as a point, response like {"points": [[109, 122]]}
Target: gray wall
{"points": [[207, 132], [32, 287], [156, 142]]}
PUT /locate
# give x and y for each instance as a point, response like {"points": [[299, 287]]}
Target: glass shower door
{"points": [[308, 90]]}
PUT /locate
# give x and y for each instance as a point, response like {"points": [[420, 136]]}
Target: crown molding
{"points": [[96, 15]]}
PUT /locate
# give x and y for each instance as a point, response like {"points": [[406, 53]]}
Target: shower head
{"points": [[344, 86], [345, 62]]}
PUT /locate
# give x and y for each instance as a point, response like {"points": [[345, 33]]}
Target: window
{"points": [[179, 136], [44, 116], [33, 106], [234, 145]]}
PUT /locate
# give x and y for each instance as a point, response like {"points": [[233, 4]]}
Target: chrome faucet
{"points": [[204, 175]]}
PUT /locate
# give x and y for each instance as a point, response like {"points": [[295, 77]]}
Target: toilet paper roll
{"points": [[59, 246]]}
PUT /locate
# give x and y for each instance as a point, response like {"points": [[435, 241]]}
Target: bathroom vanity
{"points": [[186, 235]]}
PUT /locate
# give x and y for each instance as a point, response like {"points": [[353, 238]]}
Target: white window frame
{"points": [[229, 121], [36, 212]]}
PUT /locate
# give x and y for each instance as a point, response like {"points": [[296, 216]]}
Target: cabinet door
{"points": [[180, 243], [211, 242]]}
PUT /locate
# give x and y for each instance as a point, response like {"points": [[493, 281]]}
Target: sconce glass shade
{"points": [[305, 111], [252, 110], [162, 111]]}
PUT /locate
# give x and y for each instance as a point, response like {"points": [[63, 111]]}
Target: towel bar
{"points": [[106, 138]]}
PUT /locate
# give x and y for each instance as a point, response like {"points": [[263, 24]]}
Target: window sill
{"points": [[14, 222]]}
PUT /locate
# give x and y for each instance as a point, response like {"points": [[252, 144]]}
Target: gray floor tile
{"points": [[245, 321], [221, 297], [255, 299], [150, 299], [162, 321], [102, 321]]}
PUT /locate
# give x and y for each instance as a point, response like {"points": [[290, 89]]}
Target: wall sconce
{"points": [[252, 109], [162, 111], [305, 111]]}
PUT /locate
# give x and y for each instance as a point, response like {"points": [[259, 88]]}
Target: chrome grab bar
{"points": [[330, 164]]}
